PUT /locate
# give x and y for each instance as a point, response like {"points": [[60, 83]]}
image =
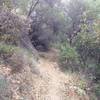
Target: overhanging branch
{"points": [[32, 8]]}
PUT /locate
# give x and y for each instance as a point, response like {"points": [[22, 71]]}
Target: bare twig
{"points": [[32, 8]]}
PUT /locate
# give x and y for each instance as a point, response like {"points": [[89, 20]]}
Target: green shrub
{"points": [[7, 49], [14, 57], [68, 56], [68, 52], [97, 90], [9, 55], [88, 49]]}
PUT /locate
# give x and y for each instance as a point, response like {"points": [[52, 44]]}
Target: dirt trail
{"points": [[49, 71], [42, 80], [55, 85]]}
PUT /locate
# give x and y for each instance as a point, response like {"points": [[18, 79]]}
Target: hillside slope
{"points": [[39, 80]]}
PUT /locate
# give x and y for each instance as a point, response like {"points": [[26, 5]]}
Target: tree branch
{"points": [[32, 8]]}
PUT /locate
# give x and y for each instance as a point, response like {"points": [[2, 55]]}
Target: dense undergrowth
{"points": [[72, 29]]}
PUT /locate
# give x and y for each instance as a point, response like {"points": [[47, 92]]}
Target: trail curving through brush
{"points": [[54, 84]]}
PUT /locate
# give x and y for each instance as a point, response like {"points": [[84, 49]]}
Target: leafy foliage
{"points": [[74, 27], [6, 4], [68, 57], [6, 49], [13, 56]]}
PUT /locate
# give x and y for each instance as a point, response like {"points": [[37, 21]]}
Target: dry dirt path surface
{"points": [[50, 72], [55, 85]]}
